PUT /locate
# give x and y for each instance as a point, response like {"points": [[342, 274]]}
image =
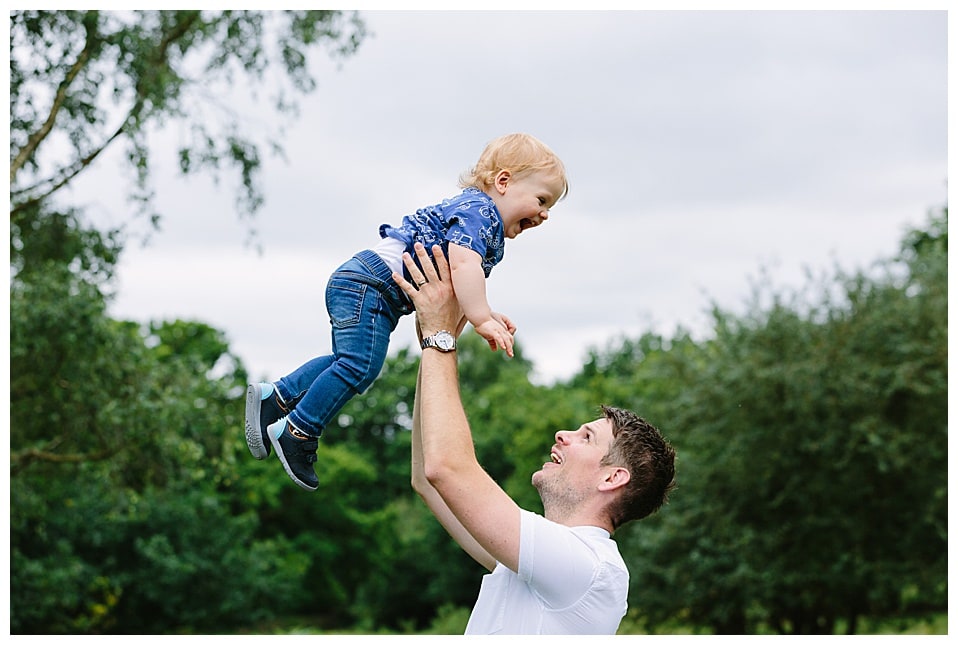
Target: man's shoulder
{"points": [[593, 538], [584, 532]]}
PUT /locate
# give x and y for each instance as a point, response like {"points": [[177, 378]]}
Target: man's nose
{"points": [[562, 436]]}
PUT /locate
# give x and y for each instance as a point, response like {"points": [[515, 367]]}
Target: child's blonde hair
{"points": [[520, 154]]}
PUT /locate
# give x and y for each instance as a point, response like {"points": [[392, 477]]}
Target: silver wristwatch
{"points": [[441, 340]]}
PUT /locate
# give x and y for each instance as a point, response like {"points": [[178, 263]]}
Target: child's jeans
{"points": [[364, 306]]}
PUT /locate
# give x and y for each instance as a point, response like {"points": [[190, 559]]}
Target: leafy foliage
{"points": [[83, 82], [812, 471], [813, 447]]}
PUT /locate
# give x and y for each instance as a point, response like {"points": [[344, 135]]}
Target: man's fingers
{"points": [[422, 270], [413, 269], [402, 283], [429, 271], [442, 264]]}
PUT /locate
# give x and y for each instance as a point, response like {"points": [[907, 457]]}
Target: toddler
{"points": [[511, 188]]}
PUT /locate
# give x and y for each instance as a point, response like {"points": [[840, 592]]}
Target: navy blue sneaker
{"points": [[262, 409], [298, 455]]}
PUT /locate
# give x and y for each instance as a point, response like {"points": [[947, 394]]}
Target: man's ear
{"points": [[615, 477], [502, 180]]}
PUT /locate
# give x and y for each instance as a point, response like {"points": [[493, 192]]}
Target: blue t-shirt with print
{"points": [[470, 219]]}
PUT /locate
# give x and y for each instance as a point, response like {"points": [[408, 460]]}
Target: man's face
{"points": [[575, 469]]}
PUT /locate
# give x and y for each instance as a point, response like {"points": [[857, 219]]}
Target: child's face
{"points": [[524, 202]]}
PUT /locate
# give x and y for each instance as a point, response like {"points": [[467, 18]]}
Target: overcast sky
{"points": [[703, 148]]}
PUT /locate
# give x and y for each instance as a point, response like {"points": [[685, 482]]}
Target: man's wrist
{"points": [[442, 340]]}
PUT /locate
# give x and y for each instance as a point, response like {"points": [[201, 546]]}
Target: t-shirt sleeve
{"points": [[474, 224], [558, 565]]}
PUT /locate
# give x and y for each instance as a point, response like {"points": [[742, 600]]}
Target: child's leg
{"points": [[364, 307], [362, 325], [293, 387]]}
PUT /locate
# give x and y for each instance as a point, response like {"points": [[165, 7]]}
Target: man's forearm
{"points": [[446, 439], [431, 496]]}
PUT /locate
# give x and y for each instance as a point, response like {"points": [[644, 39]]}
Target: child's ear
{"points": [[502, 181]]}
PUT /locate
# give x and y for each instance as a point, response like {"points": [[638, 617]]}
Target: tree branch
{"points": [[22, 459], [37, 137], [66, 174]]}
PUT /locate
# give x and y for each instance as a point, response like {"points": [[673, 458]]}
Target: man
{"points": [[557, 574]]}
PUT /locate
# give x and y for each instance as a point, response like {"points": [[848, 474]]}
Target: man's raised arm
{"points": [[449, 462]]}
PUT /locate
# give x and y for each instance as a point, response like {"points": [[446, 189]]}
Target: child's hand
{"points": [[505, 322], [497, 335]]}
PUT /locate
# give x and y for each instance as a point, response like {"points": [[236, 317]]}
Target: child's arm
{"points": [[469, 281]]}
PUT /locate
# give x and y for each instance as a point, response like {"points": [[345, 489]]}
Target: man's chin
{"points": [[538, 478]]}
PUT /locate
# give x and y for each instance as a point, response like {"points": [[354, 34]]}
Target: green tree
{"points": [[82, 82], [812, 442], [122, 480], [130, 512]]}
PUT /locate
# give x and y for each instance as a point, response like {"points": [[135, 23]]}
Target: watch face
{"points": [[441, 340], [445, 341]]}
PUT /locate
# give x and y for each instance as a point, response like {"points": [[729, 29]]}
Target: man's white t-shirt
{"points": [[571, 580]]}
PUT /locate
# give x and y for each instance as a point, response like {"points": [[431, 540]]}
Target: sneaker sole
{"points": [[254, 435], [282, 458]]}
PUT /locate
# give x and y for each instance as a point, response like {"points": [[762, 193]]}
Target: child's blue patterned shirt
{"points": [[470, 219]]}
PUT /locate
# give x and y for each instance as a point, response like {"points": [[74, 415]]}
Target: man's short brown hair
{"points": [[640, 448]]}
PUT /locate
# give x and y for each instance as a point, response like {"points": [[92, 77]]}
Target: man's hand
{"points": [[435, 297]]}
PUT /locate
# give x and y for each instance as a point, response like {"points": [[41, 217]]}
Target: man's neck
{"points": [[573, 519]]}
